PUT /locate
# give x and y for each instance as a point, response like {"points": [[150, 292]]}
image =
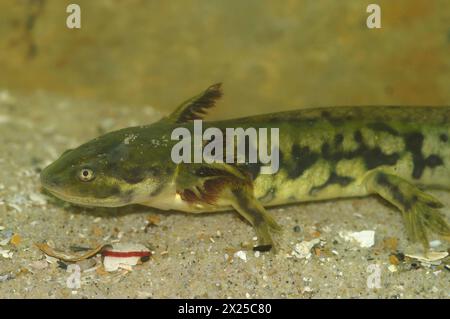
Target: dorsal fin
{"points": [[195, 108]]}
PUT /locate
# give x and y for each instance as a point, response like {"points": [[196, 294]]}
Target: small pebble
{"points": [[39, 264], [435, 243], [392, 268], [393, 260], [307, 289], [241, 254], [37, 199]]}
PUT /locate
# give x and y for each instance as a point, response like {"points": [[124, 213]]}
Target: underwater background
{"points": [[270, 55]]}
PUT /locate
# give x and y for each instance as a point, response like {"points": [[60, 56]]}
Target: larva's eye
{"points": [[86, 175]]}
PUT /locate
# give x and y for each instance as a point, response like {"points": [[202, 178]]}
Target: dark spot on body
{"points": [[134, 175], [115, 190], [333, 179], [372, 157], [358, 136], [254, 169], [341, 180], [105, 192], [375, 157], [338, 139], [157, 190], [433, 161], [205, 171], [326, 150], [382, 127], [326, 114], [382, 179], [336, 121], [443, 137], [303, 158], [414, 144]]}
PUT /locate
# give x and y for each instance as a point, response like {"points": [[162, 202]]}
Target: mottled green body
{"points": [[324, 153], [327, 153]]}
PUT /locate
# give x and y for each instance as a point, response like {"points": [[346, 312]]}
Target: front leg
{"points": [[218, 186], [247, 205]]}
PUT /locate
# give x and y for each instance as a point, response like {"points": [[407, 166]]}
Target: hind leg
{"points": [[420, 210]]}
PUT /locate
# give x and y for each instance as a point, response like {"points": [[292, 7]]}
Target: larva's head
{"points": [[116, 169]]}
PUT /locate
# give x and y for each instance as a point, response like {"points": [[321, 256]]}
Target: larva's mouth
{"points": [[56, 190], [86, 201]]}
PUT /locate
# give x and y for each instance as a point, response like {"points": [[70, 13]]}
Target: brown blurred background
{"points": [[271, 55]]}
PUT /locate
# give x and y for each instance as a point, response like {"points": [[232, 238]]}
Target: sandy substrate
{"points": [[194, 256]]}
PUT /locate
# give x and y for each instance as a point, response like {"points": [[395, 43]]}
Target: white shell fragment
{"points": [[303, 249], [364, 238], [435, 243], [5, 236], [39, 264], [38, 199], [241, 254], [392, 268], [124, 256], [429, 257], [6, 253]]}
